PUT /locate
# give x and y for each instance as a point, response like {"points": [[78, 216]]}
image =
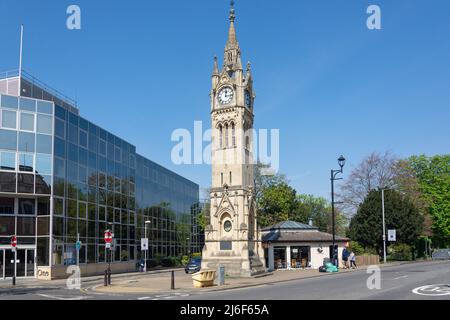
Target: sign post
{"points": [[78, 248], [108, 240], [14, 249]]}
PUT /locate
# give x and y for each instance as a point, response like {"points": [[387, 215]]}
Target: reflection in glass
{"points": [[44, 124], [43, 164], [26, 121], [26, 141], [7, 161], [7, 182], [27, 206], [9, 119], [43, 184], [25, 183], [26, 162], [44, 144], [6, 205], [8, 140]]}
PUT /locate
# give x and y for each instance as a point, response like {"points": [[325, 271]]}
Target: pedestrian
{"points": [[345, 255], [352, 260]]}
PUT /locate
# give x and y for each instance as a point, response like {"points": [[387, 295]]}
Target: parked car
{"points": [[194, 265]]}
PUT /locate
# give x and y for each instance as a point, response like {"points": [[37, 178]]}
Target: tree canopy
{"points": [[401, 214]]}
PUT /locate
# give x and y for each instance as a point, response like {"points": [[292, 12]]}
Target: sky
{"points": [[142, 69]]}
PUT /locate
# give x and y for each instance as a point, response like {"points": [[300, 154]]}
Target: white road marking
{"points": [[62, 298], [402, 277], [144, 298], [434, 290]]}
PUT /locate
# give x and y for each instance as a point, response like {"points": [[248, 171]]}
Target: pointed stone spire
{"points": [[249, 70], [232, 41], [239, 62], [216, 67]]}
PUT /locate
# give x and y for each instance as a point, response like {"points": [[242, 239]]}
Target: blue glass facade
{"points": [[62, 178]]}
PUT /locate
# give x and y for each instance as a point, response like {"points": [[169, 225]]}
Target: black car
{"points": [[194, 265]]}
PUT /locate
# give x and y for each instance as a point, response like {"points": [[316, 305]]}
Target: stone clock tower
{"points": [[232, 239]]}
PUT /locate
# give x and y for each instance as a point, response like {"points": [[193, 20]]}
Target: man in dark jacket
{"points": [[345, 255]]}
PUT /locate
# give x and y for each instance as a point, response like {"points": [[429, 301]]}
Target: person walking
{"points": [[345, 255], [352, 260]]}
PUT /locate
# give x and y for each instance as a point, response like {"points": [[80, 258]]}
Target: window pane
{"points": [[60, 128], [43, 207], [83, 139], [26, 226], [73, 134], [26, 162], [43, 184], [25, 183], [43, 164], [60, 148], [7, 228], [8, 140], [27, 121], [43, 251], [6, 205], [26, 141], [10, 102], [8, 161], [58, 206], [27, 206], [44, 144], [9, 119], [27, 104], [44, 124], [7, 182], [60, 168], [45, 107]]}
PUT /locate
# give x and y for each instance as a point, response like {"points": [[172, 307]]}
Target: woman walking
{"points": [[352, 260]]}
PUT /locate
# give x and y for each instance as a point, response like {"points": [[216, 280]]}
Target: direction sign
{"points": [[78, 245], [108, 236], [392, 235], [144, 244]]}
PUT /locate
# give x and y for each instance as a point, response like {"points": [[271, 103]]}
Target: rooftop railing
{"points": [[38, 83]]}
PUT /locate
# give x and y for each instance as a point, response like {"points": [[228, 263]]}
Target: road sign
{"points": [[78, 245], [144, 244], [13, 241], [108, 236], [392, 235], [108, 245]]}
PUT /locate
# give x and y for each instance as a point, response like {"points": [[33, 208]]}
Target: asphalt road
{"points": [[404, 282]]}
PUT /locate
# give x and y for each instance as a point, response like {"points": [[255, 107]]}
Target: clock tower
{"points": [[232, 238]]}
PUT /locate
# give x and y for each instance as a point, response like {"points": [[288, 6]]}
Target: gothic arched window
{"points": [[226, 136], [233, 135], [220, 136]]}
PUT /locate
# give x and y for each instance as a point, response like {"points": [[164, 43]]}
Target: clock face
{"points": [[248, 99], [225, 95], [227, 226]]}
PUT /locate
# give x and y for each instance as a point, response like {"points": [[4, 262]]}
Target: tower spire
{"points": [[232, 31]]}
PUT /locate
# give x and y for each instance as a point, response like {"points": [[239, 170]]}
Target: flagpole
{"points": [[20, 59]]}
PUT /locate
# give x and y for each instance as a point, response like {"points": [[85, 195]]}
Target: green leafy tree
{"points": [[277, 203], [433, 174], [400, 214]]}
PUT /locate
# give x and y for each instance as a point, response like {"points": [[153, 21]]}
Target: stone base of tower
{"points": [[236, 264]]}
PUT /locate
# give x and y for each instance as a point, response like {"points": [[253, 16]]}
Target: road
{"points": [[401, 282]]}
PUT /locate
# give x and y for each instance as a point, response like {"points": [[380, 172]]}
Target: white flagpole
{"points": [[20, 60]]}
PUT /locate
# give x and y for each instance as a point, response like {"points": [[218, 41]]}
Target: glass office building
{"points": [[63, 179]]}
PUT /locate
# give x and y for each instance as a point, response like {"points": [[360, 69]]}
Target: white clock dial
{"points": [[225, 95]]}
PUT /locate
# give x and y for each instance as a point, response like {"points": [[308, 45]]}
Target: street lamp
{"points": [[334, 173], [145, 253]]}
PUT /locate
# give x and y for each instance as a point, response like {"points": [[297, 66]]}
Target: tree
{"points": [[366, 226], [433, 174], [319, 210], [264, 178], [277, 203], [375, 171]]}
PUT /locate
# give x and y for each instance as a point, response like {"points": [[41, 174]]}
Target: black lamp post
{"points": [[334, 173]]}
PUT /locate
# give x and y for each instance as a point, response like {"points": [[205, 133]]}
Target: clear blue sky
{"points": [[142, 69]]}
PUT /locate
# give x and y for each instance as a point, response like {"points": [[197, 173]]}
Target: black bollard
{"points": [[106, 278], [109, 276], [173, 280], [14, 280]]}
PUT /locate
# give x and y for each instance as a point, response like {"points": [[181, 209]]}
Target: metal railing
{"points": [[38, 83]]}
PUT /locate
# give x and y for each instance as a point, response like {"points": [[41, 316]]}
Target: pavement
{"points": [[397, 281]]}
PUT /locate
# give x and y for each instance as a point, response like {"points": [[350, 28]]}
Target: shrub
{"points": [[357, 248], [400, 252], [151, 263], [169, 262], [184, 260]]}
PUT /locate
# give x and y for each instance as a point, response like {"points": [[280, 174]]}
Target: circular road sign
{"points": [[13, 241], [108, 236]]}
